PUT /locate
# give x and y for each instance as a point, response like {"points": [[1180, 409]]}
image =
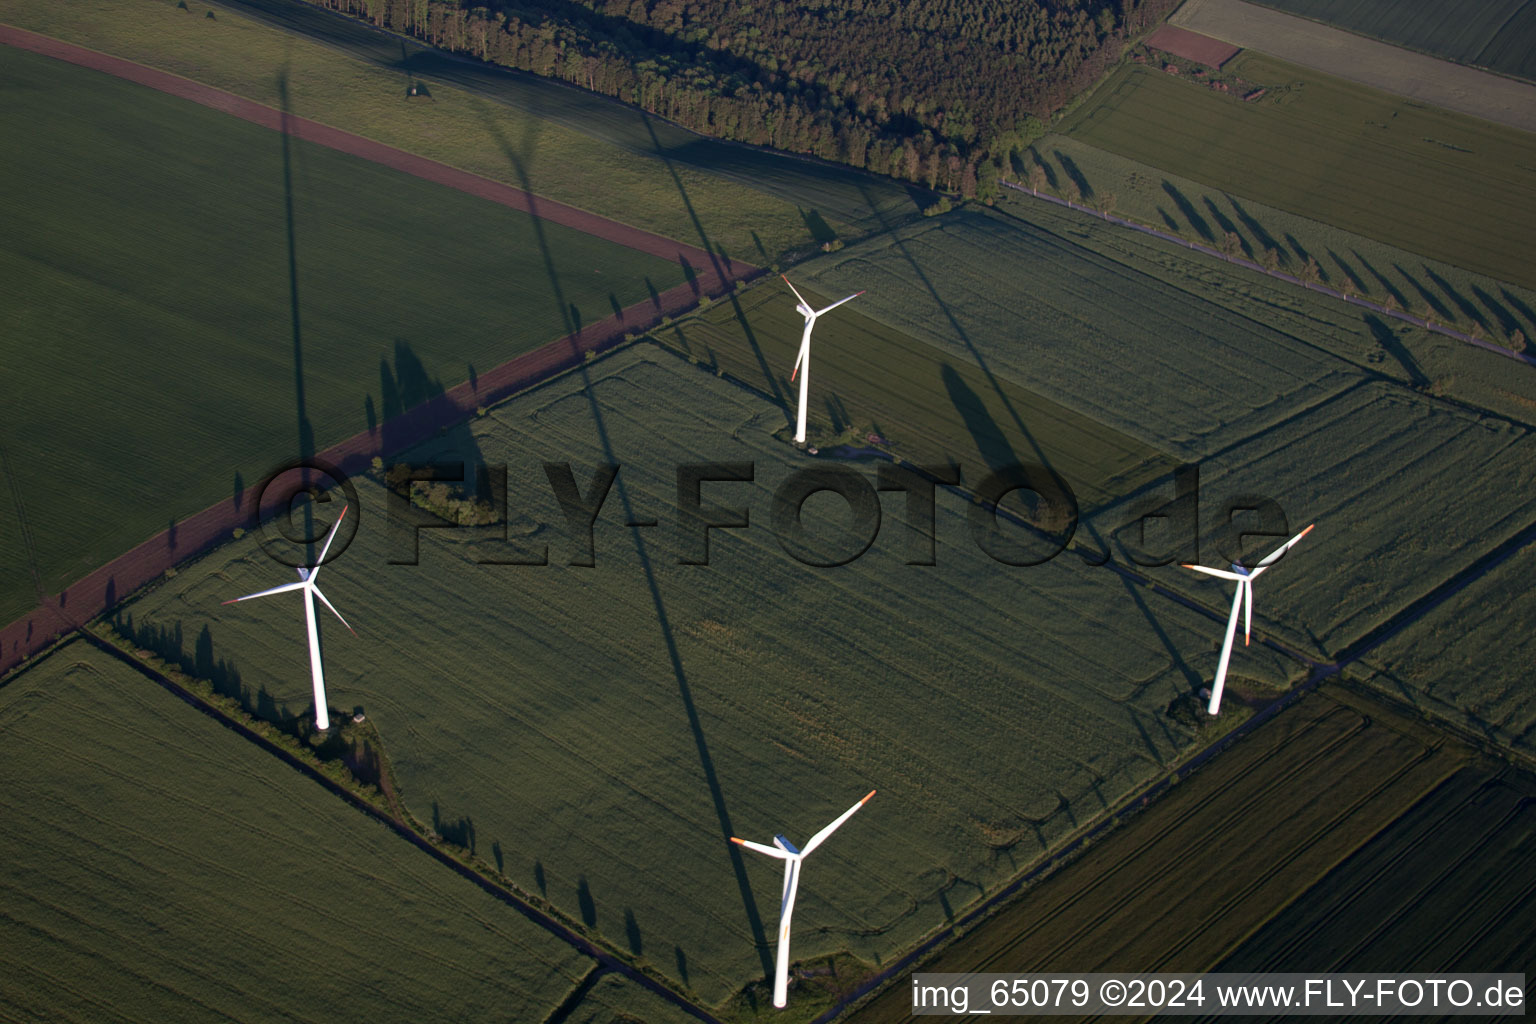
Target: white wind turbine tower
{"points": [[785, 850], [803, 360], [1243, 598], [307, 584]]}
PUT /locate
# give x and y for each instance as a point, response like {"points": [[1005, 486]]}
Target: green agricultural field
{"points": [[1468, 657], [541, 135], [1495, 34], [599, 732], [1205, 215], [1443, 185], [189, 302], [158, 867]]}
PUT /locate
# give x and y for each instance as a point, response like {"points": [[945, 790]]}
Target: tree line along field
{"points": [[158, 867], [756, 694], [552, 139], [1381, 844], [1496, 34], [1443, 185], [187, 308], [1206, 216]]}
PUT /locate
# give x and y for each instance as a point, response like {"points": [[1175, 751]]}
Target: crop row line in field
{"points": [[604, 959], [1280, 275]]}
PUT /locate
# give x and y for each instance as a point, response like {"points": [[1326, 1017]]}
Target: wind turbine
{"points": [[785, 850], [307, 584], [803, 360], [1243, 598]]}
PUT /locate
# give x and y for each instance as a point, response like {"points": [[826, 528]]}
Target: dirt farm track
{"points": [[708, 274]]}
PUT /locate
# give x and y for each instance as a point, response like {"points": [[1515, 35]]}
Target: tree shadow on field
{"points": [[1386, 282], [1525, 311], [1051, 180], [459, 831], [1260, 235], [632, 932], [1348, 270], [1190, 214], [1471, 312], [518, 163], [1429, 298], [1388, 340], [1069, 166], [1507, 322], [1300, 250], [1226, 225]]}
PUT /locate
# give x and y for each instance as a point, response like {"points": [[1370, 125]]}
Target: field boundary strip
{"points": [[1358, 58], [703, 263]]}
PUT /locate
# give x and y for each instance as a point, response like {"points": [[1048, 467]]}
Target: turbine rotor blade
{"points": [[334, 612], [792, 288], [817, 839], [1218, 573], [1283, 548], [327, 547], [771, 851], [1247, 588], [839, 302], [264, 593]]}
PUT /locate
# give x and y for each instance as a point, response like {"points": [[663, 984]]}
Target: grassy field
{"points": [[536, 134], [1446, 887], [1443, 185], [1466, 658], [999, 336], [617, 1000], [1205, 215], [1328, 778], [186, 307], [1407, 491], [158, 867], [1315, 414], [756, 694], [1496, 34]]}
